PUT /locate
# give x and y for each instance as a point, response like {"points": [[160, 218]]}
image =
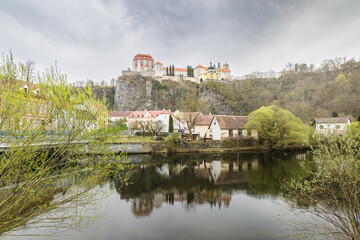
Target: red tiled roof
{"points": [[143, 56], [154, 114], [158, 63], [180, 69], [225, 70], [199, 66]]}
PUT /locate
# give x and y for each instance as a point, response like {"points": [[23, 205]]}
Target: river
{"points": [[197, 196]]}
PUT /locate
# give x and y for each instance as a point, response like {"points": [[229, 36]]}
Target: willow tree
{"points": [[278, 127], [46, 128]]}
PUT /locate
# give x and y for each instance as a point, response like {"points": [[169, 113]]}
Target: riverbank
{"points": [[160, 147]]}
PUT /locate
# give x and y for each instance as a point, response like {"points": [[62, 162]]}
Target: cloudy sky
{"points": [[96, 39]]}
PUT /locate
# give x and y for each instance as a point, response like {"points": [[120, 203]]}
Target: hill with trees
{"points": [[301, 89]]}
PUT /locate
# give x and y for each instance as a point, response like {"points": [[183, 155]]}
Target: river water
{"points": [[209, 196]]}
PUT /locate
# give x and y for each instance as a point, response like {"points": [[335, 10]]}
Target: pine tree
{"points": [[167, 71], [171, 124], [335, 114]]}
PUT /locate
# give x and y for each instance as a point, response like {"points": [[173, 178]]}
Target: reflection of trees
{"points": [[274, 169], [211, 181]]}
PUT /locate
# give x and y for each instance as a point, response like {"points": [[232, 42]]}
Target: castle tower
{"points": [[226, 66], [143, 63], [218, 68]]}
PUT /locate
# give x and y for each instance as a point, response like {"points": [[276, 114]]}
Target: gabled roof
{"points": [[121, 113], [158, 63], [199, 66], [180, 69], [204, 120], [333, 120], [225, 70], [231, 122]]}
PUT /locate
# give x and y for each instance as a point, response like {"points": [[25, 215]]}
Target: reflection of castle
{"points": [[198, 184]]}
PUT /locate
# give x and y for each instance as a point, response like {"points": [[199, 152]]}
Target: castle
{"points": [[144, 64]]}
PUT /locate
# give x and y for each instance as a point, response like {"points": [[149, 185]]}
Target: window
{"points": [[239, 132], [231, 133], [338, 126], [214, 123]]}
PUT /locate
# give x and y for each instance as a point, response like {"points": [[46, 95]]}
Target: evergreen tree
{"points": [[167, 71], [171, 124], [358, 119], [335, 114]]}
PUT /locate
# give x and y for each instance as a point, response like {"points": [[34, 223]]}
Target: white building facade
{"points": [[327, 126]]}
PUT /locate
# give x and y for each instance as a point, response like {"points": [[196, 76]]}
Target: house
{"points": [[32, 106], [120, 115], [201, 125], [332, 125], [146, 117], [222, 126]]}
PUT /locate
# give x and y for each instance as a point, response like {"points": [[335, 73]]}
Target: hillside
{"points": [[307, 95]]}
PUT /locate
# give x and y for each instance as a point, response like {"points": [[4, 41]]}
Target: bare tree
{"points": [[29, 65], [154, 128]]}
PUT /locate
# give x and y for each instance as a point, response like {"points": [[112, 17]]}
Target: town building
{"points": [[327, 126], [141, 118], [120, 115], [222, 127]]}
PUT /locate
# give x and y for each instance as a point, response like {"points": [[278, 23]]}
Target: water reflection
{"points": [[193, 181]]}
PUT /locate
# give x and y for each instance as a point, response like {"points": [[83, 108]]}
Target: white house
{"points": [[332, 125], [222, 126], [164, 118]]}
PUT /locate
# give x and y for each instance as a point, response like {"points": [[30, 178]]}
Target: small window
{"points": [[214, 123], [231, 133]]}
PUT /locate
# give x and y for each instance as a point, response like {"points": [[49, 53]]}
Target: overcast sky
{"points": [[97, 39]]}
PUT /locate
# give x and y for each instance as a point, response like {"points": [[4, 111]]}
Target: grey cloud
{"points": [[97, 39]]}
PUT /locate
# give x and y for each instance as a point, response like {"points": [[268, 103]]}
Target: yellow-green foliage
{"points": [[353, 130], [278, 127], [331, 193], [44, 136]]}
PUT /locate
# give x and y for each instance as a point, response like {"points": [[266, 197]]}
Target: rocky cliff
{"points": [[140, 93]]}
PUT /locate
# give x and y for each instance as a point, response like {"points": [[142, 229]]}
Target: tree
{"points": [[48, 128], [358, 118], [113, 82], [278, 127], [167, 71], [334, 114], [29, 65], [171, 124], [192, 108], [154, 128], [331, 193]]}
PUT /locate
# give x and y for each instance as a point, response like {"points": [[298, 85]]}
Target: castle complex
{"points": [[144, 64]]}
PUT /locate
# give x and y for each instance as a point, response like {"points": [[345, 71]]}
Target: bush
{"points": [[170, 141]]}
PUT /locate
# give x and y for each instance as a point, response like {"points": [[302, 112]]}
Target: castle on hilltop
{"points": [[144, 65]]}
